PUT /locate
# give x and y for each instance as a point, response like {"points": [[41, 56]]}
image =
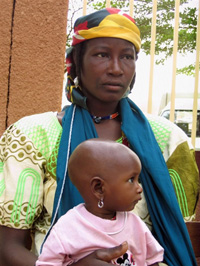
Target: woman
{"points": [[101, 72]]}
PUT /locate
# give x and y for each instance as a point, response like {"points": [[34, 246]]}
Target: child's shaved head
{"points": [[96, 157]]}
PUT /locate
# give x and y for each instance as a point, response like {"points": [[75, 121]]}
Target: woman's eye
{"points": [[101, 55], [128, 57]]}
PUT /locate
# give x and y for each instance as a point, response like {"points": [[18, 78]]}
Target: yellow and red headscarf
{"points": [[109, 22]]}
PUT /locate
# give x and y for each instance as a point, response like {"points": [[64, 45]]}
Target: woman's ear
{"points": [[97, 187]]}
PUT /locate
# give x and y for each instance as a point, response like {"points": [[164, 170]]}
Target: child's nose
{"points": [[140, 189]]}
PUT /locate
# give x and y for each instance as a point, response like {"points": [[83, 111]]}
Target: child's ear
{"points": [[97, 186]]}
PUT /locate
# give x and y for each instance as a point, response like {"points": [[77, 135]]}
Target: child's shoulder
{"points": [[134, 218]]}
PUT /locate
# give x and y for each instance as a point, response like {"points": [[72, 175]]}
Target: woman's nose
{"points": [[115, 67]]}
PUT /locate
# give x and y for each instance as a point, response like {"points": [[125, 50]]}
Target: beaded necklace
{"points": [[98, 119]]}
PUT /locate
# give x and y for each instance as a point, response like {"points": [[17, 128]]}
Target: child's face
{"points": [[123, 190]]}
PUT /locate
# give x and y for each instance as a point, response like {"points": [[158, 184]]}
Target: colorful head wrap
{"points": [[109, 22]]}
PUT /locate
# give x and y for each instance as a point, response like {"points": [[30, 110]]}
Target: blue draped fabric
{"points": [[168, 225]]}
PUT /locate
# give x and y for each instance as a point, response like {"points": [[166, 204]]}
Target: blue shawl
{"points": [[168, 225]]}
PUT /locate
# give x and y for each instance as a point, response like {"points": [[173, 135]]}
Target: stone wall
{"points": [[32, 54]]}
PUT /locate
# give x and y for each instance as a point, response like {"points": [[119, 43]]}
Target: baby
{"points": [[106, 174]]}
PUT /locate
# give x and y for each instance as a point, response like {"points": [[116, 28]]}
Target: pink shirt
{"points": [[78, 233]]}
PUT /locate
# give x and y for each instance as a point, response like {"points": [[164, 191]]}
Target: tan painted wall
{"points": [[32, 52]]}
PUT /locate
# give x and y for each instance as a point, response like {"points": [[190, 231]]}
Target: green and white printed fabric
{"points": [[28, 159]]}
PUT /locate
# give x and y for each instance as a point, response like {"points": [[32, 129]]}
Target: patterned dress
{"points": [[28, 158]]}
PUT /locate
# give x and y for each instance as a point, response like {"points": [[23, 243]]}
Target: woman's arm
{"points": [[15, 247], [15, 250]]}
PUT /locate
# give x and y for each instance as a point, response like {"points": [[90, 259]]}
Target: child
{"points": [[106, 174]]}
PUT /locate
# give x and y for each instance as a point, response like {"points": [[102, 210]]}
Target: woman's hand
{"points": [[103, 257]]}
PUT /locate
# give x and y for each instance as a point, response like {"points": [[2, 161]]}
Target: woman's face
{"points": [[108, 68]]}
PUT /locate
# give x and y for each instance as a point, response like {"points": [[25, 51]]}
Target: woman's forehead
{"points": [[109, 41]]}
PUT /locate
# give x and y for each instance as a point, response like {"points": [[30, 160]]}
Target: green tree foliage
{"points": [[164, 26]]}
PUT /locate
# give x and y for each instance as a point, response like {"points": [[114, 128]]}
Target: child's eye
{"points": [[131, 180]]}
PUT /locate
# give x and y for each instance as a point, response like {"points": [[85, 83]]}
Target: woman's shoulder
{"points": [[162, 129], [159, 122], [166, 131], [44, 124], [38, 120], [42, 130]]}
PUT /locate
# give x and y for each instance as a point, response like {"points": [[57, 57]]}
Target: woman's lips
{"points": [[113, 86]]}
